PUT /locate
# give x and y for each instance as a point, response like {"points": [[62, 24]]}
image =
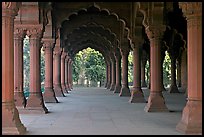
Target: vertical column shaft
{"points": [[35, 101], [191, 121], [136, 92], [156, 100], [19, 97], [125, 91], [49, 94], [11, 124], [57, 72]]}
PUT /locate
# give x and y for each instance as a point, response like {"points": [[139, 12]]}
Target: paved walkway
{"points": [[97, 111]]}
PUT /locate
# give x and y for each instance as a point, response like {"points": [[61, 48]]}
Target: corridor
{"points": [[97, 111]]}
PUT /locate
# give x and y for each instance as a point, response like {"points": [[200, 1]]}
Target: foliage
{"points": [[166, 70], [130, 67], [26, 64], [92, 64]]}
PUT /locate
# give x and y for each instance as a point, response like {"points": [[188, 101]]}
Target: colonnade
{"points": [[59, 81]]}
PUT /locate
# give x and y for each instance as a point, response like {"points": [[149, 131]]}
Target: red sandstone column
{"points": [[57, 71], [109, 75], [184, 71], [137, 95], [66, 72], [11, 123], [106, 74], [156, 100], [49, 94], [191, 121], [173, 88], [35, 101], [143, 64], [179, 71], [113, 74], [19, 97], [63, 72], [118, 73], [70, 74], [125, 91]]}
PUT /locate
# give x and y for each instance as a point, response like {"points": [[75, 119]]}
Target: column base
{"points": [[64, 90], [19, 98], [108, 86], [173, 89], [71, 86], [137, 96], [117, 89], [11, 124], [58, 91], [191, 121], [156, 103], [49, 95], [68, 88], [125, 91], [112, 87], [35, 103]]}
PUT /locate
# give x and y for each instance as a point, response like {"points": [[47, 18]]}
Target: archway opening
{"points": [[89, 68]]}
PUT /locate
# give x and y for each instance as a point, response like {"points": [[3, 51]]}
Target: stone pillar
{"points": [[106, 75], [49, 94], [125, 91], [57, 74], [63, 72], [20, 100], [143, 64], [184, 71], [67, 72], [156, 100], [11, 123], [137, 95], [173, 88], [35, 101], [179, 71], [70, 74], [191, 121], [109, 75], [118, 73], [113, 74]]}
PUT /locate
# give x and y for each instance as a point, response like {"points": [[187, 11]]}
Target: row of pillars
{"points": [[192, 112], [61, 63], [191, 121]]}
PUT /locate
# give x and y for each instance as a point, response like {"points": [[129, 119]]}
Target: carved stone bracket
{"points": [[155, 32], [48, 43]]}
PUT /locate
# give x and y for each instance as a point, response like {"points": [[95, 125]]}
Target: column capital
{"points": [[67, 57], [48, 43], [124, 51], [191, 8], [10, 8], [57, 50], [193, 12], [19, 33], [35, 31], [155, 32], [137, 42], [63, 55]]}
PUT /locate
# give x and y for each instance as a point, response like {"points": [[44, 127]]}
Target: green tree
{"points": [[166, 70], [26, 65], [91, 63], [130, 67]]}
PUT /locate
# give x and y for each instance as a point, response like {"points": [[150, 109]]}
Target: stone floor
{"points": [[97, 111]]}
